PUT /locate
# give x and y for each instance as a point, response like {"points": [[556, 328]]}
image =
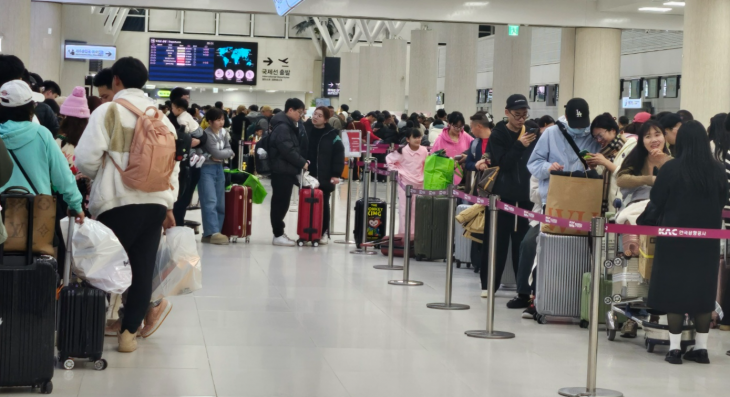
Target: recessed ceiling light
{"points": [[188, 88], [675, 3], [655, 9], [270, 90]]}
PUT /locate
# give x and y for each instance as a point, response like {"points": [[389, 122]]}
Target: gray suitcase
{"points": [[432, 219], [561, 262], [462, 245]]}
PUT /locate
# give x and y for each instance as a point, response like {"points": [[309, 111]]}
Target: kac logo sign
{"points": [[667, 232]]}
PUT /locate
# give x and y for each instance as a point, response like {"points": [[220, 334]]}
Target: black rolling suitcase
{"points": [[27, 311], [81, 318], [377, 215]]}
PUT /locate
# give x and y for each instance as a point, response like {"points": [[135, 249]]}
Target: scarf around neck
{"points": [[613, 147]]}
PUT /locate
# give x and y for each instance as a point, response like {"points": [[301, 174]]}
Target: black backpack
{"points": [[263, 165]]}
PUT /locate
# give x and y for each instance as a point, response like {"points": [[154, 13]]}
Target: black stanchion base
{"points": [[386, 267], [444, 306], [484, 334], [584, 392]]}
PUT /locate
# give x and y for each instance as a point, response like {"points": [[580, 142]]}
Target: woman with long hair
{"points": [[689, 192]]}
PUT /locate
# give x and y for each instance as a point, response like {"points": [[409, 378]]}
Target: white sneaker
{"points": [[485, 293], [324, 241], [284, 241]]}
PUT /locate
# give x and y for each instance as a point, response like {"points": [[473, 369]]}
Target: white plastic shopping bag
{"points": [[309, 181], [98, 256], [177, 270]]}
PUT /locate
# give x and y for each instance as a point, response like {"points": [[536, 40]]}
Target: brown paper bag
{"points": [[646, 255], [573, 198], [44, 221]]}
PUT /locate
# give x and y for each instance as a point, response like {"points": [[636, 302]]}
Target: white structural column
{"points": [[597, 69], [512, 62], [461, 69], [350, 79], [705, 75], [369, 82], [423, 72], [15, 28], [393, 76], [567, 67]]}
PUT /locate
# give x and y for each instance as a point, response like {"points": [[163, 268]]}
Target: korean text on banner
{"points": [[353, 142]]}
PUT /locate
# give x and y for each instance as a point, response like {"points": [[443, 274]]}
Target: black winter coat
{"points": [[685, 270], [239, 124], [330, 155], [285, 146], [511, 156]]}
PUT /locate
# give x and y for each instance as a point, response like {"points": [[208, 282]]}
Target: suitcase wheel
{"points": [[248, 239], [69, 364], [100, 364], [611, 334], [541, 319], [315, 243], [584, 324], [234, 239], [458, 264], [47, 387], [300, 243]]}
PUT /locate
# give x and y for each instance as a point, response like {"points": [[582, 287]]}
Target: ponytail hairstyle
{"points": [[410, 132]]}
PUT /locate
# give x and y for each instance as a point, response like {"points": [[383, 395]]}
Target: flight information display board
{"points": [[203, 61]]}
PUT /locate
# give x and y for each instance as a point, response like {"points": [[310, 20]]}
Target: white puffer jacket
{"points": [[110, 131]]}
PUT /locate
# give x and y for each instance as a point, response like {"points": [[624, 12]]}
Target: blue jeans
{"points": [[212, 190]]}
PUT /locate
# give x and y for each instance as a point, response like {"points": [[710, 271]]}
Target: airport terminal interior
{"points": [[321, 321]]}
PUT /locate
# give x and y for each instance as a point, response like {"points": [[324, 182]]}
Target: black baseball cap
{"points": [[517, 101], [577, 113]]}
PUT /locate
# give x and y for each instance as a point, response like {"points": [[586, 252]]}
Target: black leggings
{"points": [[702, 322], [138, 228]]}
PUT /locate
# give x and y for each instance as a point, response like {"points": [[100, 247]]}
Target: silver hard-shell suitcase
{"points": [[462, 245], [561, 262]]}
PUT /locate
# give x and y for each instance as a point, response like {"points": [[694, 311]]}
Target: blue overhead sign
{"points": [[94, 52], [283, 7]]}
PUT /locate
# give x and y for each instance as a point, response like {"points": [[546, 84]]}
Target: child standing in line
{"points": [[409, 161]]}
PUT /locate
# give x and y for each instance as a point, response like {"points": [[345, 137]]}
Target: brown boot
{"points": [[127, 342], [154, 318]]}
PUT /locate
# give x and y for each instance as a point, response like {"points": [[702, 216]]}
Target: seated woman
{"points": [[636, 178], [690, 192]]}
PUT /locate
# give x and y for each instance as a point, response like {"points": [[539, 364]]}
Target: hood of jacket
{"points": [[576, 132], [253, 115], [446, 139], [15, 134], [282, 118]]}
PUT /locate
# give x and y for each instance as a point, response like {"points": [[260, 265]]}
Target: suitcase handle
{"points": [[69, 247]]}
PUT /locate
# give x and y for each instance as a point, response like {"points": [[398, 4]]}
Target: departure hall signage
{"points": [[203, 61]]}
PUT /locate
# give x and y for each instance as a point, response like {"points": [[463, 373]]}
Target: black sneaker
{"points": [[674, 357], [518, 302], [530, 312], [698, 356]]}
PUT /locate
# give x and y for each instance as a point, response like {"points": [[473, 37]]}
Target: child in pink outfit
{"points": [[409, 161], [446, 141]]}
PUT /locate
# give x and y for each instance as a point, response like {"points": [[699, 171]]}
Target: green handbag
{"points": [[259, 192], [438, 171]]}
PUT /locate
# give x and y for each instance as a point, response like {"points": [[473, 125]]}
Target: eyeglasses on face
{"points": [[524, 116]]}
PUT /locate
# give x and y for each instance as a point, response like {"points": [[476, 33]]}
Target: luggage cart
{"points": [[654, 334]]}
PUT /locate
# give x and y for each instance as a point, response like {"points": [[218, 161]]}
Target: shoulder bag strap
{"points": [[572, 144], [125, 103], [32, 186]]}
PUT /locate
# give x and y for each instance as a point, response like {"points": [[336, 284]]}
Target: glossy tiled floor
{"points": [[305, 322]]}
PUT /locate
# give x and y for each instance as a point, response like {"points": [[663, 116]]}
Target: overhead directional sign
{"points": [[514, 30], [95, 52], [283, 7]]}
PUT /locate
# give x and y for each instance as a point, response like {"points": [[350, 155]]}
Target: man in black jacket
{"points": [[287, 161], [510, 147], [326, 156]]}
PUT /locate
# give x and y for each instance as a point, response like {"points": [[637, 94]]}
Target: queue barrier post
{"points": [[598, 232], [349, 205], [490, 333], [393, 177], [448, 305], [406, 282]]}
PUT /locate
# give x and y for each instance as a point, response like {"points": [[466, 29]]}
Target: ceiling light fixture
{"points": [[270, 90], [675, 3], [188, 88], [655, 9]]}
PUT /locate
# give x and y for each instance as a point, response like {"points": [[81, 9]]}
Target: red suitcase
{"points": [[311, 210], [237, 222], [398, 247]]}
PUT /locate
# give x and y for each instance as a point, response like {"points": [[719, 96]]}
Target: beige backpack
{"points": [[152, 153]]}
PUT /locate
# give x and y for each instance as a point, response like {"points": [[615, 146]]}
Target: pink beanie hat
{"points": [[76, 105], [642, 117]]}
